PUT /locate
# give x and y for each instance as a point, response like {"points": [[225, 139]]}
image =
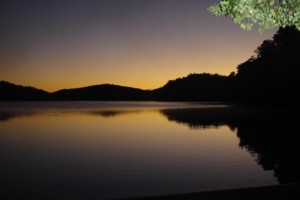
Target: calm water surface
{"points": [[104, 150]]}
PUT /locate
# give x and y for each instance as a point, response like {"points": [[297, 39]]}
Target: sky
{"points": [[56, 44]]}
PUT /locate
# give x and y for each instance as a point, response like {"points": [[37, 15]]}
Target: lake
{"points": [[107, 150]]}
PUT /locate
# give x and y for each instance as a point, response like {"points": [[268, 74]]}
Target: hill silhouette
{"points": [[105, 92], [270, 77], [197, 87], [12, 92]]}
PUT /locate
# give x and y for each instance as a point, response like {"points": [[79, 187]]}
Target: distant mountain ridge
{"points": [[104, 92], [271, 77], [194, 87], [13, 92]]}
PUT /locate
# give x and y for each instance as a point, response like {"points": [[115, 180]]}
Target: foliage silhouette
{"points": [[272, 76], [197, 87]]}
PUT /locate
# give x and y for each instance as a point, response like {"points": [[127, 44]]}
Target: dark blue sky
{"points": [[52, 44]]}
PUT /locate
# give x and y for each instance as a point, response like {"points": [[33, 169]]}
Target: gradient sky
{"points": [[55, 44]]}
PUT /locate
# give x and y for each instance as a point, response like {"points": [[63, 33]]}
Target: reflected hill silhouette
{"points": [[113, 113], [268, 134], [6, 115]]}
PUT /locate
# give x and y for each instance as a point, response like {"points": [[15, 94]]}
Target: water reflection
{"points": [[268, 134], [8, 115], [111, 153]]}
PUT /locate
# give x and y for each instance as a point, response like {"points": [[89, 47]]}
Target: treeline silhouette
{"points": [[270, 77], [198, 87]]}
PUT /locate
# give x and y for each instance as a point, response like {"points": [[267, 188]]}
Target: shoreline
{"points": [[275, 192]]}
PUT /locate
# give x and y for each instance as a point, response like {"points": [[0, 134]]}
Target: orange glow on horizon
{"points": [[137, 49]]}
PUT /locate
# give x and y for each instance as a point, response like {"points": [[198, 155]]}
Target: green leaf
{"points": [[266, 14]]}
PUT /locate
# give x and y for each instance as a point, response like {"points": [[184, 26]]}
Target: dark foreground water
{"points": [[104, 150]]}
